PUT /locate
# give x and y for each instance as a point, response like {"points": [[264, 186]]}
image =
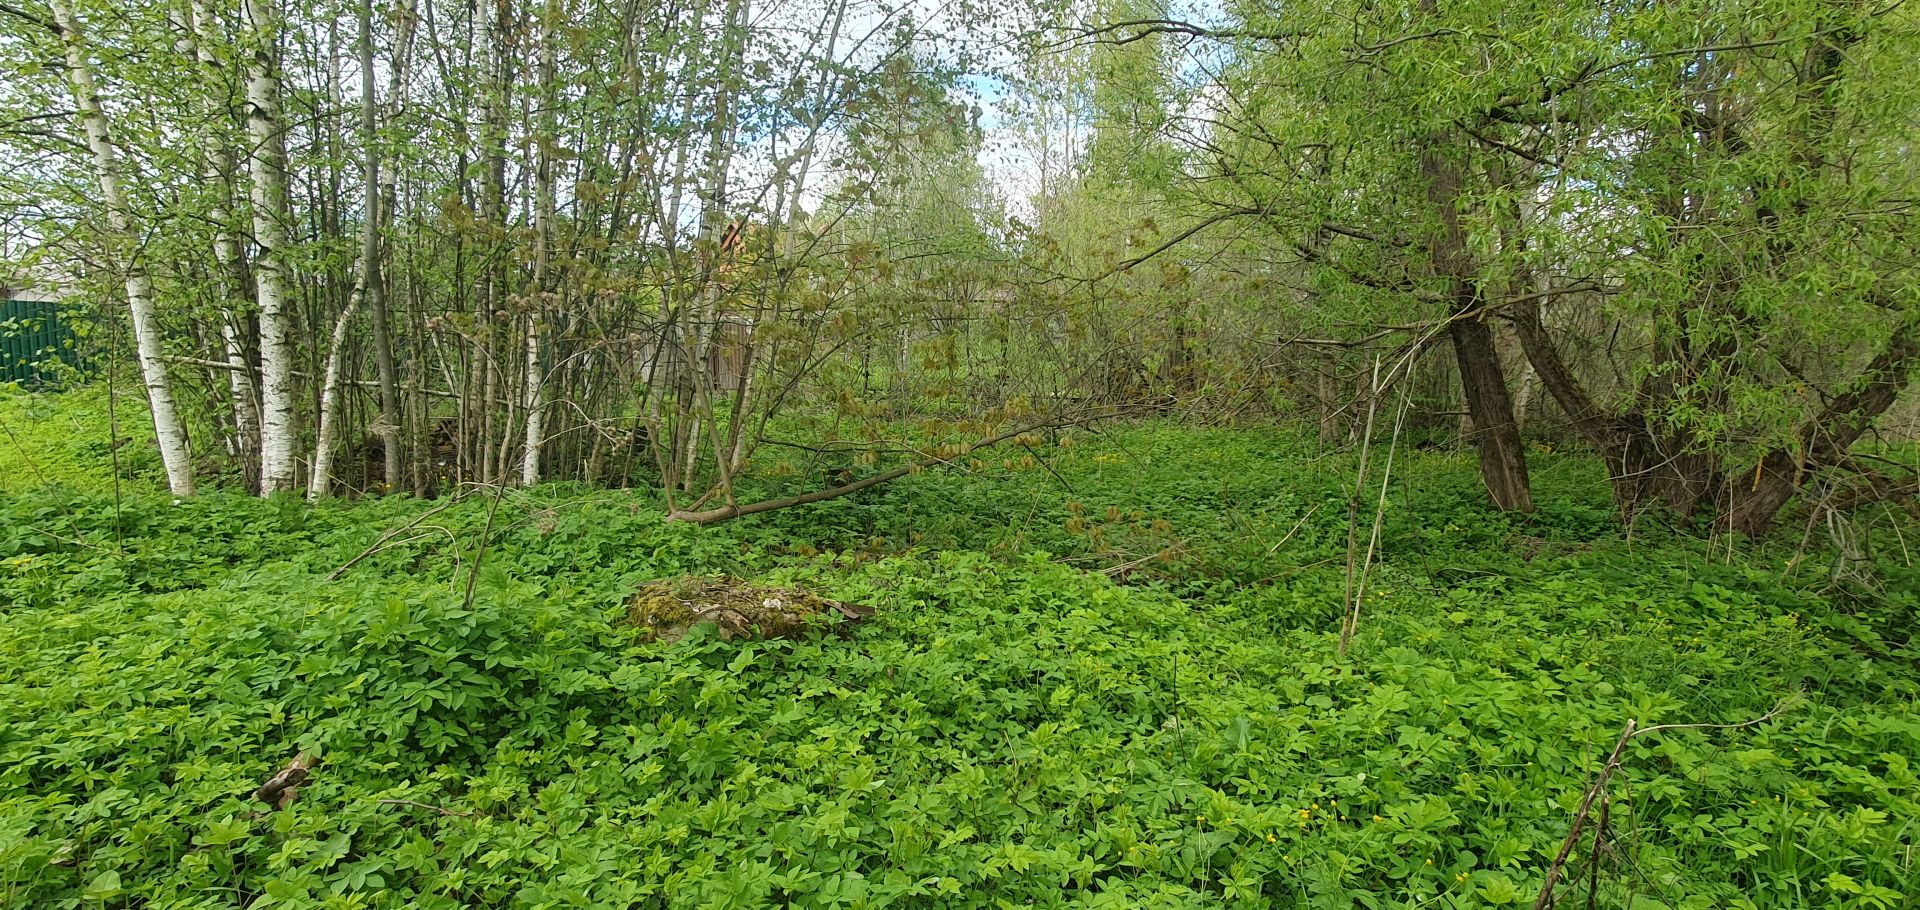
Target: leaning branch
{"points": [[1478, 312], [1870, 487], [8, 9], [1177, 239]]}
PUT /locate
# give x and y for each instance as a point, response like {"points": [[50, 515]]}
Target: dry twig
{"points": [[1599, 788], [417, 805]]}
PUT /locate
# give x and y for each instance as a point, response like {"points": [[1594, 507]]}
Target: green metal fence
{"points": [[34, 342]]}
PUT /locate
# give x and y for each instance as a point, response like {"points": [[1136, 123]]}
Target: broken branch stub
{"points": [[283, 788]]}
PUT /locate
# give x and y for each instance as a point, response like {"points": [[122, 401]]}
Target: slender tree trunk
{"points": [[536, 404], [535, 401], [322, 480], [169, 432], [271, 272], [379, 192], [246, 403], [742, 401], [698, 407], [227, 251], [494, 20], [365, 286]]}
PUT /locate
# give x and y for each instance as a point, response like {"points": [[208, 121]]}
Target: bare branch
{"points": [[1142, 29], [714, 516]]}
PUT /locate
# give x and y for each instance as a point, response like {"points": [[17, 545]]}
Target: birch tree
{"points": [[200, 31], [267, 164], [170, 433], [366, 283]]}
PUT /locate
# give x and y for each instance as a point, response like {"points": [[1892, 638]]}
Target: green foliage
{"points": [[66, 440], [1014, 727]]}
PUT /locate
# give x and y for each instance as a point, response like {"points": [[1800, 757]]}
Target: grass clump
{"points": [[74, 439]]}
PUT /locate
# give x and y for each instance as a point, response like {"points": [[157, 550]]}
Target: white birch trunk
{"points": [[322, 482], [226, 250], [536, 404], [365, 285], [535, 385], [170, 434], [268, 166]]}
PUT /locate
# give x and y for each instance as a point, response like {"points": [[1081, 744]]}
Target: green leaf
{"points": [[104, 887]]}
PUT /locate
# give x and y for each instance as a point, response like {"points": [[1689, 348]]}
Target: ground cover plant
{"points": [[1107, 677], [987, 453]]}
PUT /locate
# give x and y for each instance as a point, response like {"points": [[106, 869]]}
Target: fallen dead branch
{"points": [[735, 510]]}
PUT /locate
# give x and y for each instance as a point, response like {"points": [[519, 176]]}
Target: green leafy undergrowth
{"points": [[1198, 509], [67, 440], [1013, 728]]}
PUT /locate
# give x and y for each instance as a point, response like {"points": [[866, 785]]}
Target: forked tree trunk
{"points": [[271, 270], [169, 433], [1496, 435], [1825, 439]]}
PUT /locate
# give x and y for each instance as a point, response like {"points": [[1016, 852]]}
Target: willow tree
{"points": [[1343, 129], [1726, 183], [1745, 201]]}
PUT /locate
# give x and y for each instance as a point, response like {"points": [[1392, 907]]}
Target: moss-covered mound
{"points": [[669, 608]]}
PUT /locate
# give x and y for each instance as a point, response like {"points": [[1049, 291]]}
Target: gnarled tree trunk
{"points": [[1496, 435]]}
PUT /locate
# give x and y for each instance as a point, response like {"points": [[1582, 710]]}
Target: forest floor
{"points": [[1098, 673]]}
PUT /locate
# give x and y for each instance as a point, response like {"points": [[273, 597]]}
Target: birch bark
{"points": [[271, 271], [227, 249], [170, 434]]}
